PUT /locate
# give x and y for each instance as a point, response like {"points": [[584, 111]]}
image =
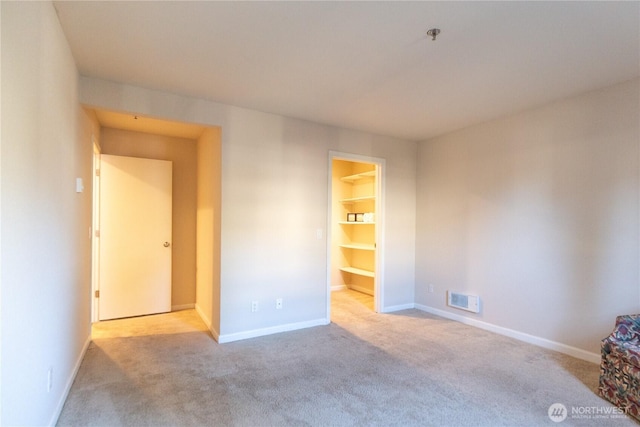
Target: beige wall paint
{"points": [[208, 225], [339, 169], [537, 214], [46, 245], [183, 153]]}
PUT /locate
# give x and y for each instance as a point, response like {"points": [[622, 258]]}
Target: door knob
{"points": [[167, 244]]}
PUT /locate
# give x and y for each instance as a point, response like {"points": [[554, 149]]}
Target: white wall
{"points": [[274, 198], [46, 247], [537, 214]]}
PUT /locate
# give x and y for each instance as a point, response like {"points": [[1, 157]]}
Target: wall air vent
{"points": [[463, 301]]}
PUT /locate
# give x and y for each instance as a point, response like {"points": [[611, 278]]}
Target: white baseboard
{"points": [[338, 288], [400, 307], [182, 307], [272, 330], [521, 336], [208, 322], [204, 317], [70, 380], [362, 289]]}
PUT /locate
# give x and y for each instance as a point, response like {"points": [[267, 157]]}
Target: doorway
{"points": [[355, 243], [196, 154]]}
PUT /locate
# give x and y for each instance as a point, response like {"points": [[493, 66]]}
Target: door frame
{"points": [[95, 233], [380, 163]]}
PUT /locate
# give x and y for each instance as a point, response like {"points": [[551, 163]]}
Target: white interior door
{"points": [[135, 236]]}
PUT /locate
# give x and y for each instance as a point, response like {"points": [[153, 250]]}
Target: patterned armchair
{"points": [[620, 365]]}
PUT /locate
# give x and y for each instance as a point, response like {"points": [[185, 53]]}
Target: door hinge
{"points": [[97, 293], [97, 233], [97, 172]]}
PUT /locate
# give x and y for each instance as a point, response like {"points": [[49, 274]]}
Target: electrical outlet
{"points": [[49, 379], [430, 288], [254, 306], [279, 304]]}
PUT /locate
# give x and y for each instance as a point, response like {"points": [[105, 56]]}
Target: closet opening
{"points": [[355, 224]]}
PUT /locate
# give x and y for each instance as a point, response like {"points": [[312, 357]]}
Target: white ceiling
{"points": [[361, 65]]}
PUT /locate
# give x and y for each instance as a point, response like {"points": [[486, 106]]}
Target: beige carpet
{"points": [[407, 368]]}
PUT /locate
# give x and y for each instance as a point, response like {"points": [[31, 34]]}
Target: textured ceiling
{"points": [[361, 65]]}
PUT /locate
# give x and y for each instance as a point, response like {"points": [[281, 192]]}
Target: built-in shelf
{"points": [[354, 244], [352, 178], [358, 199], [359, 246], [358, 271], [355, 222]]}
